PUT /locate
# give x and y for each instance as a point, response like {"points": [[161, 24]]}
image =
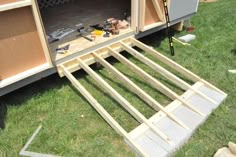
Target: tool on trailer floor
{"points": [[82, 32], [172, 50], [107, 27], [97, 32], [63, 50], [59, 34]]}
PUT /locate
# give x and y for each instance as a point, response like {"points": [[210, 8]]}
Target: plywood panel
{"points": [[182, 8], [8, 1], [150, 12], [20, 46]]}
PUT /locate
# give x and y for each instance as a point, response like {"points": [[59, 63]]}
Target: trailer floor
{"points": [[70, 14]]}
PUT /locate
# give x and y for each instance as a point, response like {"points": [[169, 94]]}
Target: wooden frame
{"points": [[83, 62], [24, 151], [15, 5], [232, 71]]}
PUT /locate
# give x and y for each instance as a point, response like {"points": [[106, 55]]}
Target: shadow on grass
{"points": [[19, 96], [3, 113]]}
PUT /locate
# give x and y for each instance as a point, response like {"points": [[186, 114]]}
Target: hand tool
{"points": [[82, 31]]}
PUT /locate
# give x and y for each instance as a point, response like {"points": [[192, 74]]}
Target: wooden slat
{"points": [[142, 15], [176, 80], [109, 119], [173, 64], [158, 9], [134, 112], [136, 89], [158, 85]]}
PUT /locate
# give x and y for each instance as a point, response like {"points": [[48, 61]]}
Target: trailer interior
{"points": [[70, 16]]}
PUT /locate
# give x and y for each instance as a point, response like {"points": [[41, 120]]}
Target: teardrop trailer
{"points": [[36, 57]]}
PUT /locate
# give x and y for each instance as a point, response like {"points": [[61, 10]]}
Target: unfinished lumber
{"points": [[158, 9], [107, 117], [190, 75], [134, 112], [136, 89], [155, 136], [24, 151], [41, 31], [13, 4], [171, 77], [151, 80]]}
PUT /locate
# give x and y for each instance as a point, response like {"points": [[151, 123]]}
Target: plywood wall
{"points": [[20, 46], [7, 1]]}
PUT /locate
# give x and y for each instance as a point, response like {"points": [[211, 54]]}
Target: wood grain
{"points": [[20, 46], [8, 1]]}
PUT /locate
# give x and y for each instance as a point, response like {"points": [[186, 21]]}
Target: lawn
{"points": [[71, 127]]}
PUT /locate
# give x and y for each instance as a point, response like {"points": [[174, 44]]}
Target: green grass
{"points": [[56, 104]]}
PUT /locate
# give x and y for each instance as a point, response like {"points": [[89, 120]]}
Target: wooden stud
{"points": [[164, 72], [142, 7], [158, 85], [158, 9], [134, 14], [173, 64], [183, 43], [41, 32], [107, 117], [134, 112], [142, 94]]}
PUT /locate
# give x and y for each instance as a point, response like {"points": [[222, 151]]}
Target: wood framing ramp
{"points": [[172, 125]]}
